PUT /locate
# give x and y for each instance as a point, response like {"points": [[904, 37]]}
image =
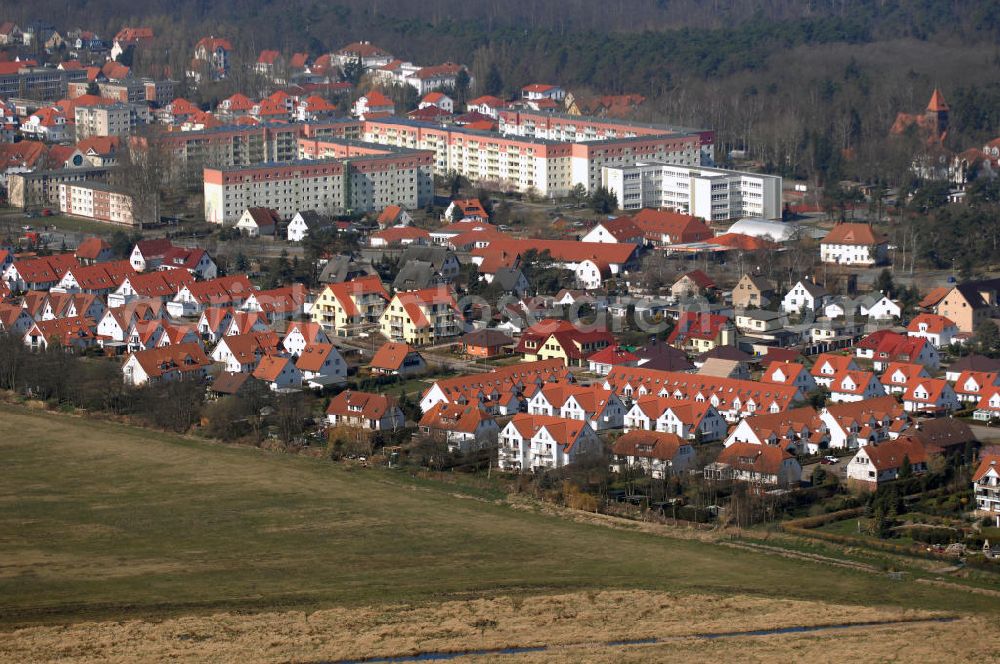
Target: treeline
{"points": [[807, 89], [68, 381]]}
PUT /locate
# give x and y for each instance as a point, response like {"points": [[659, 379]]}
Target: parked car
{"points": [[46, 212], [829, 460]]}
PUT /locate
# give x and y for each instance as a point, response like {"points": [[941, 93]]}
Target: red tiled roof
{"points": [[680, 227], [100, 145], [212, 43], [764, 459], [399, 233], [23, 154], [270, 367], [988, 462], [937, 102], [697, 325], [313, 356], [462, 418], [365, 404], [442, 70], [564, 432], [890, 454], [689, 386], [648, 444], [935, 324], [742, 242], [538, 87], [613, 355], [268, 57], [181, 357], [390, 356], [367, 285], [413, 301], [933, 297], [362, 49], [376, 99], [853, 234]]}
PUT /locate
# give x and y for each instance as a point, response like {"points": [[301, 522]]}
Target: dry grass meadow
{"points": [[575, 627], [119, 544]]}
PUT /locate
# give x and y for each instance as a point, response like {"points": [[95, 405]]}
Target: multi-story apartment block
{"points": [[713, 194], [97, 201], [548, 166], [18, 80], [350, 306], [109, 120], [244, 145], [25, 190], [362, 183], [581, 129], [422, 317]]}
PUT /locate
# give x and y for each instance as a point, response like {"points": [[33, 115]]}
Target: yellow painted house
{"points": [[346, 307], [553, 339], [422, 317]]}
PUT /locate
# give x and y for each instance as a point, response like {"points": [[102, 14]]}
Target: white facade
{"points": [[327, 185], [712, 194], [711, 427], [848, 254], [542, 451], [801, 298]]}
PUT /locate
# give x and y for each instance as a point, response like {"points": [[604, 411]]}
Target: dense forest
{"points": [[806, 88]]}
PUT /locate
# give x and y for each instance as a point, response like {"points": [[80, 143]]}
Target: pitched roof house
{"points": [[397, 359], [655, 453], [756, 464], [877, 464], [543, 442], [364, 410], [465, 427], [321, 364], [853, 244], [166, 363], [257, 221]]}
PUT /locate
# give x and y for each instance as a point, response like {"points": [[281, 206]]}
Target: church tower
{"points": [[937, 113]]}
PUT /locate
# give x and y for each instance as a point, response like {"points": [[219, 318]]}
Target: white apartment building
{"points": [[327, 185], [96, 200], [543, 442], [713, 194], [552, 167]]}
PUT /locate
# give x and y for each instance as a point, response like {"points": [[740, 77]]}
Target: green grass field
{"points": [[99, 520]]}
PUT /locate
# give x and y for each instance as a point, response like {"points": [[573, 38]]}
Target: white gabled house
{"points": [[938, 330], [804, 296], [298, 335], [930, 395], [850, 386], [877, 464], [543, 442], [789, 374], [690, 420], [600, 408]]}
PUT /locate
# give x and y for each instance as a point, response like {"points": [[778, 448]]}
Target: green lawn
{"points": [[99, 520]]}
